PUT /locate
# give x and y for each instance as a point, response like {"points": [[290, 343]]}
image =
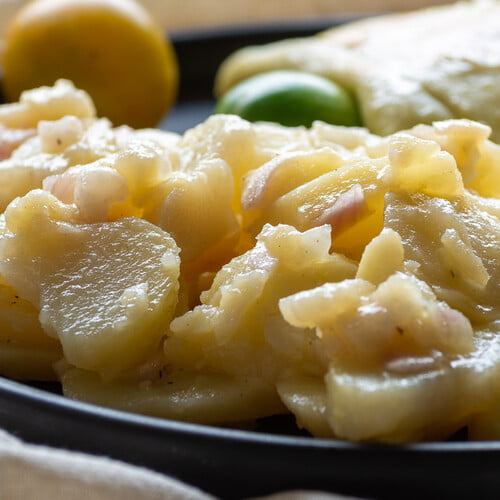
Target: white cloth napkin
{"points": [[37, 472]]}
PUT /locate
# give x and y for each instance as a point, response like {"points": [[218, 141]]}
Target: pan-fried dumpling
{"points": [[418, 67]]}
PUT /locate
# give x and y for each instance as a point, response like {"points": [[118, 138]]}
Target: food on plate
{"points": [[113, 49], [291, 98], [243, 270], [404, 69]]}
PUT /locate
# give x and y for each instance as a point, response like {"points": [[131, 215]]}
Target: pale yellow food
{"points": [[26, 352], [245, 270], [432, 64], [96, 314]]}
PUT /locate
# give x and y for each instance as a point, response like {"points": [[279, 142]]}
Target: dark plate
{"points": [[234, 463]]}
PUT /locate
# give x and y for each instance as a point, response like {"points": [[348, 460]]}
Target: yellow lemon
{"points": [[113, 49]]}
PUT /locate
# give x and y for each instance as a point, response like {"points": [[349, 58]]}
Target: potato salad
{"points": [[243, 270]]}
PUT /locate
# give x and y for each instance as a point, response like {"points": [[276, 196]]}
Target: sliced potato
{"points": [[26, 351], [306, 398], [455, 244], [238, 329], [439, 398], [201, 398], [107, 291]]}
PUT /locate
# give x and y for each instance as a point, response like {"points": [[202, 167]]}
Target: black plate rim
{"points": [[53, 410], [33, 396]]}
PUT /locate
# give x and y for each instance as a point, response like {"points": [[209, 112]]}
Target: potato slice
{"points": [[456, 246], [383, 256], [421, 166], [200, 398], [426, 405], [238, 329], [196, 208], [403, 366], [354, 210], [26, 352], [306, 398], [284, 173], [106, 290], [47, 103]]}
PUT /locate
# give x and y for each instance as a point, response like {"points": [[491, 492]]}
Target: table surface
{"points": [[178, 14]]}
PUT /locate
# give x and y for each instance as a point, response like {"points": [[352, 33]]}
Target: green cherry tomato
{"points": [[291, 98]]}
